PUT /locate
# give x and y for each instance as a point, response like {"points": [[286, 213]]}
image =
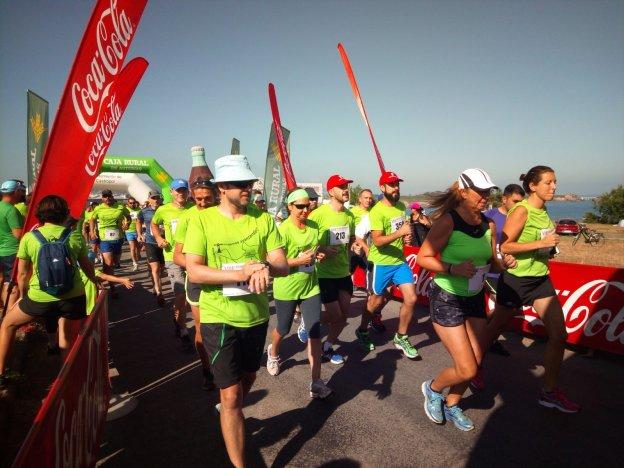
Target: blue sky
{"points": [[448, 85]]}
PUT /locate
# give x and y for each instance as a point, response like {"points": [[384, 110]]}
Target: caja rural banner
{"points": [[592, 299], [95, 97], [274, 181], [37, 128], [67, 429]]}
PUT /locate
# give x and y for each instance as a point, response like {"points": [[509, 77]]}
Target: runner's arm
{"points": [[23, 275], [160, 240], [278, 266], [87, 267], [199, 272], [499, 264], [178, 257], [429, 253], [139, 227], [511, 232], [380, 240], [17, 233]]}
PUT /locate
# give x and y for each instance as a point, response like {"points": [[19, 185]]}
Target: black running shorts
{"points": [[517, 291], [233, 351], [154, 254], [74, 308], [331, 287]]}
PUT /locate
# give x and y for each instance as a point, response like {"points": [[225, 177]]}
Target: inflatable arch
{"points": [[134, 185]]}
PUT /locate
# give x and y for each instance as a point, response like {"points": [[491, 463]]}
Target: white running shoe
{"points": [[273, 363], [319, 390]]}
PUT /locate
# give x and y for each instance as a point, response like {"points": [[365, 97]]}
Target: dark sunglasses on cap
{"points": [[242, 184], [202, 182]]}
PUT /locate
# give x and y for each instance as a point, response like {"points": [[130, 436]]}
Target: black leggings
{"points": [[310, 314]]}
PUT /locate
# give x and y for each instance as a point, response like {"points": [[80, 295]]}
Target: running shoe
{"points": [[377, 325], [557, 399], [433, 403], [207, 380], [498, 348], [319, 390], [302, 333], [478, 381], [332, 356], [273, 363], [403, 343], [455, 415], [364, 339]]}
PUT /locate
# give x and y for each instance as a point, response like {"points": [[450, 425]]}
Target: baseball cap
{"points": [[233, 168], [154, 193], [336, 180], [177, 184], [312, 195], [415, 206], [388, 177], [475, 178], [9, 186], [107, 193]]}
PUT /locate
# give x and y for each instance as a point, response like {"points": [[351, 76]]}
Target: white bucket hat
{"points": [[475, 178], [232, 168]]}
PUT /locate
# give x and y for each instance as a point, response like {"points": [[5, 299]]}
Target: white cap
{"points": [[475, 178], [233, 168]]}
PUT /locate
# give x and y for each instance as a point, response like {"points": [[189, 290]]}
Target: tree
{"points": [[496, 198], [354, 193], [610, 207]]}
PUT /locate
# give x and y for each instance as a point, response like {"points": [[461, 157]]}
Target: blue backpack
{"points": [[54, 264]]}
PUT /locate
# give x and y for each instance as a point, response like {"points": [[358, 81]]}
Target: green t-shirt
{"points": [[134, 212], [91, 291], [22, 208], [466, 242], [180, 232], [109, 219], [387, 219], [335, 230], [10, 218], [29, 250], [169, 215], [358, 214], [301, 282], [227, 244], [537, 226]]}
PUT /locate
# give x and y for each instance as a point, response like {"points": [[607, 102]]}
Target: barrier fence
{"points": [[67, 429], [592, 298]]}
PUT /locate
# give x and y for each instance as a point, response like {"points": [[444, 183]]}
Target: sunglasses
{"points": [[301, 206], [242, 184], [202, 198]]}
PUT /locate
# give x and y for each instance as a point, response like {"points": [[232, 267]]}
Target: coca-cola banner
{"points": [[96, 94], [68, 427], [592, 298]]}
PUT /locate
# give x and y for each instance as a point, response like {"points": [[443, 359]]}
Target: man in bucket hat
{"points": [[230, 250]]}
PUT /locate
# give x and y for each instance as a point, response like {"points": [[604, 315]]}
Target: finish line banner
{"points": [[67, 429], [37, 129], [95, 97], [592, 299]]}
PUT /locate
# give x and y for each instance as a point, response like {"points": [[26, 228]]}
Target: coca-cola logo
{"points": [[113, 36], [106, 130], [422, 277]]}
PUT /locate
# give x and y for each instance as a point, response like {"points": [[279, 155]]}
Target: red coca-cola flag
{"points": [[97, 92]]}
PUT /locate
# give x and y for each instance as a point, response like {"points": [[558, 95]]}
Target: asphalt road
{"points": [[376, 417]]}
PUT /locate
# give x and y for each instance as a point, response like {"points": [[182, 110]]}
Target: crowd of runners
{"points": [[220, 249]]}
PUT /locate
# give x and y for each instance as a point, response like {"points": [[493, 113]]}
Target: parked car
{"points": [[567, 226]]}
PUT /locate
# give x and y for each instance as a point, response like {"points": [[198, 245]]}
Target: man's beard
{"points": [[238, 203], [392, 198]]}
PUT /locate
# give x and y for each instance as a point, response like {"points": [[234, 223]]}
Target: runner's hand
{"points": [[320, 256], [93, 236], [307, 257], [140, 238], [465, 269], [509, 261], [330, 251], [356, 248], [162, 243], [127, 282], [405, 229], [550, 240], [259, 280], [249, 269]]}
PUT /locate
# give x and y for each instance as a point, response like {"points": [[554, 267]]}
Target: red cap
{"points": [[389, 177], [336, 180]]}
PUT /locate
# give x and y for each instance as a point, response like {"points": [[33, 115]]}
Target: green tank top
{"points": [[538, 224], [466, 242]]}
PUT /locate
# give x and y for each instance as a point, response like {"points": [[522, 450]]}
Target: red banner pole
{"points": [[289, 175]]}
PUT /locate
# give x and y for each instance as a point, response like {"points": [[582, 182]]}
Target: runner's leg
{"points": [[549, 310], [232, 423], [14, 319]]}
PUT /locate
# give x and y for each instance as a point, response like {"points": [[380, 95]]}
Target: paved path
{"points": [[376, 417]]}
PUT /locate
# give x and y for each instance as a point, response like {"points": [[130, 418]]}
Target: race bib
{"points": [[339, 235], [134, 214], [240, 288], [396, 223], [545, 252], [174, 225], [476, 282], [308, 268], [111, 234]]}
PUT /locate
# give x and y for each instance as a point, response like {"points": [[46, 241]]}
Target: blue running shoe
{"points": [[302, 333], [455, 415], [433, 403], [332, 356]]}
